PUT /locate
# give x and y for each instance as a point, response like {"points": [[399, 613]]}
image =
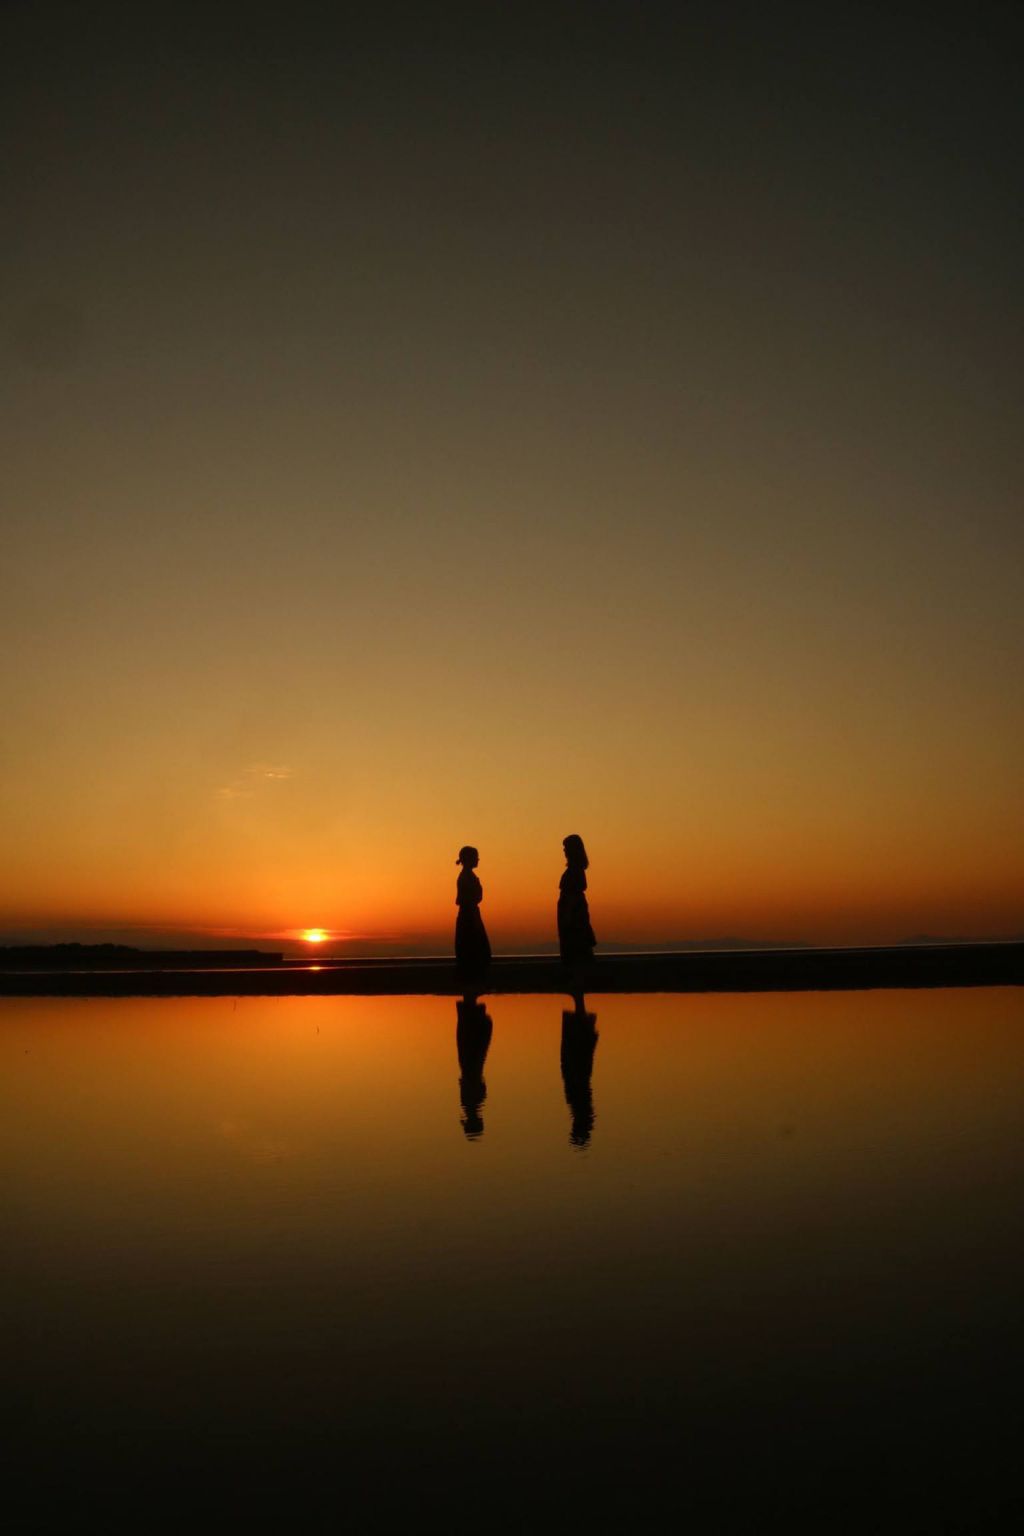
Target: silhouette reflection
{"points": [[579, 1041], [472, 1037]]}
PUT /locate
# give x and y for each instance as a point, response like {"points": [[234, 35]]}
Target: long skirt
{"points": [[575, 937], [472, 946]]}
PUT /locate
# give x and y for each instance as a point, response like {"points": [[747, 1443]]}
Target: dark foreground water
{"points": [[707, 1263]]}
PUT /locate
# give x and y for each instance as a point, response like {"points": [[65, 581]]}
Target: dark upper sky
{"points": [[486, 359]]}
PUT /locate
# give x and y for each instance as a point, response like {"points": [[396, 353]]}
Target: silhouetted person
{"points": [[472, 946], [579, 1041], [575, 935], [472, 1037]]}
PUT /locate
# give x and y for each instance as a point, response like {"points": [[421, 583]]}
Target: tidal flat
{"points": [[708, 1261]]}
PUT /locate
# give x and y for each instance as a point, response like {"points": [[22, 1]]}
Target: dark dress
{"points": [[575, 936], [472, 946]]}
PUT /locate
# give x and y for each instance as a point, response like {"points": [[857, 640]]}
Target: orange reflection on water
{"points": [[317, 1229], [165, 1111]]}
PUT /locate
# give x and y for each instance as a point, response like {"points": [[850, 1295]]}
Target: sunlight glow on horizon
{"points": [[509, 497]]}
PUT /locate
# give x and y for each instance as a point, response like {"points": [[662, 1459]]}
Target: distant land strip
{"points": [[54, 972]]}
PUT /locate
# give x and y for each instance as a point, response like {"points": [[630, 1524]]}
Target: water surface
{"points": [[364, 1262]]}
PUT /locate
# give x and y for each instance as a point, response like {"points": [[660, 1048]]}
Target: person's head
{"points": [[468, 857], [575, 853]]}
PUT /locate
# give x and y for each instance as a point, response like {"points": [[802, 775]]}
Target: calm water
{"points": [[742, 1261]]}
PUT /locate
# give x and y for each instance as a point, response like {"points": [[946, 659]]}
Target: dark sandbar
{"points": [[249, 973]]}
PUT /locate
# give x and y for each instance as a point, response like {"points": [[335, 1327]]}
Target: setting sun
{"points": [[315, 935]]}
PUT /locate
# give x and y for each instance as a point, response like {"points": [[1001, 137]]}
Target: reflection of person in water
{"points": [[575, 935], [579, 1041], [472, 946], [472, 1037]]}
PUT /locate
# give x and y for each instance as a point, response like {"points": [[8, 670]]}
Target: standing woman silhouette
{"points": [[472, 946], [575, 936]]}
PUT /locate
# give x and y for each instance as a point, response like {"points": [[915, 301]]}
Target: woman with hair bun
{"points": [[472, 946], [575, 935]]}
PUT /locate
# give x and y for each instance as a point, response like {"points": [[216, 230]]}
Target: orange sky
{"points": [[573, 458]]}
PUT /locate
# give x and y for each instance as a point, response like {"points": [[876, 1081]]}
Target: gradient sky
{"points": [[488, 422]]}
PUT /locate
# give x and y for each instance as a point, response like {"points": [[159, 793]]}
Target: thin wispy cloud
{"points": [[252, 779]]}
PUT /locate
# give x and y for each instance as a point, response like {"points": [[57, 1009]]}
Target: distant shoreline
{"points": [[63, 971]]}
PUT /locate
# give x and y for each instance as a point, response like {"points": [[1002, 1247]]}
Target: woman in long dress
{"points": [[575, 935], [472, 946]]}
